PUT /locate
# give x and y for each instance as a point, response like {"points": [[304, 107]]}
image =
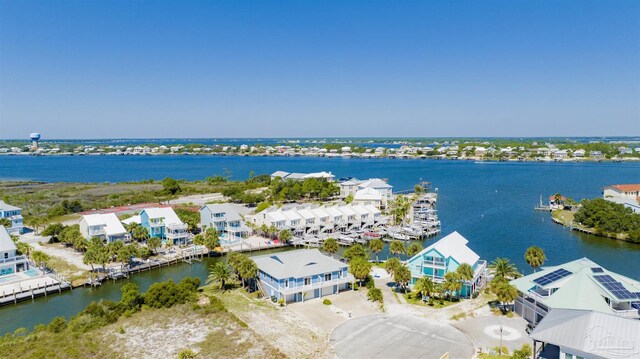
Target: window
{"points": [[568, 356], [6, 255], [327, 277], [286, 283], [307, 281]]}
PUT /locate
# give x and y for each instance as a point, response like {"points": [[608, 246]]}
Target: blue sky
{"points": [[92, 69]]}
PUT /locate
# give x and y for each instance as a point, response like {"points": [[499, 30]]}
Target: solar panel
{"points": [[638, 295], [635, 305], [597, 270], [614, 287], [552, 277]]}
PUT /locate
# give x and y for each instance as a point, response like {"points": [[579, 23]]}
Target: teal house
{"points": [[445, 256]]}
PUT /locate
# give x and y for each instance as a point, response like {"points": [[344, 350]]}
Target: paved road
{"points": [[399, 336]]}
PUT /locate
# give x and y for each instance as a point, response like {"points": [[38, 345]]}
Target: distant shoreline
{"points": [[340, 156]]}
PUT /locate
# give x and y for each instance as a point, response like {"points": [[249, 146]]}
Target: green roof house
{"points": [[580, 284]]}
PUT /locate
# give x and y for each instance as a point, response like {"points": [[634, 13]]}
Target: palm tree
{"points": [[424, 286], [452, 283], [391, 265], [360, 268], [465, 272], [535, 257], [285, 236], [247, 269], [40, 258], [376, 245], [505, 292], [503, 268], [396, 247], [211, 239], [414, 248], [402, 276], [154, 243], [330, 246], [219, 272]]}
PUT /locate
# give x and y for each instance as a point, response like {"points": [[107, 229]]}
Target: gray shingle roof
{"points": [[297, 264], [6, 243]]}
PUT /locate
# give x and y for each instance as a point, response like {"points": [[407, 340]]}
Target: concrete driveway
{"points": [[399, 336]]}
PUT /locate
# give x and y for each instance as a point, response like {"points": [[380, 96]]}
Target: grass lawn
{"points": [[72, 273], [412, 298]]}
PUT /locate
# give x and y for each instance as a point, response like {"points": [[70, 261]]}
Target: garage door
{"points": [[327, 290]]}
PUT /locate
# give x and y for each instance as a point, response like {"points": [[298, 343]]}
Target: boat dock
{"points": [[29, 288]]}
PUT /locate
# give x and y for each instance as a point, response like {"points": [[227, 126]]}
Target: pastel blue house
{"points": [[14, 215], [164, 223], [226, 220], [445, 256], [300, 275]]}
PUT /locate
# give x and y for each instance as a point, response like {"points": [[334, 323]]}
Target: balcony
{"points": [[538, 294], [13, 259], [305, 288], [155, 224]]}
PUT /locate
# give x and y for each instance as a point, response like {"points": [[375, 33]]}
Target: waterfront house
{"points": [[627, 195], [10, 262], [580, 284], [14, 215], [225, 219], [296, 276], [368, 196], [445, 256], [105, 226], [164, 223], [573, 334], [352, 186]]}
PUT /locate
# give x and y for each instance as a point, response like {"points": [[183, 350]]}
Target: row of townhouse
{"points": [[314, 220], [302, 176]]}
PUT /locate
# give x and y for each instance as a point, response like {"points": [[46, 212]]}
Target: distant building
{"points": [[573, 334], [225, 219], [164, 223], [627, 195], [302, 176], [445, 256], [296, 276], [10, 263], [13, 214], [580, 284], [105, 226]]}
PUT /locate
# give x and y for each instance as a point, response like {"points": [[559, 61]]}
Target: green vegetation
{"points": [[219, 273], [78, 337], [397, 247], [376, 246], [309, 188], [504, 271], [326, 301], [330, 246], [503, 353], [535, 257], [244, 267], [609, 219]]}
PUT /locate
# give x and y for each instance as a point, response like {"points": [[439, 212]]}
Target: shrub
{"points": [[375, 295], [326, 302], [57, 325], [186, 354], [475, 294]]}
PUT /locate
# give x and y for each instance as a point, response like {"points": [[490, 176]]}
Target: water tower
{"points": [[35, 137]]}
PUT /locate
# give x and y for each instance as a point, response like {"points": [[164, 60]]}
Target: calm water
{"points": [[490, 203]]}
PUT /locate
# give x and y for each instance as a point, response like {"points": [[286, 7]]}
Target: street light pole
{"points": [[500, 348]]}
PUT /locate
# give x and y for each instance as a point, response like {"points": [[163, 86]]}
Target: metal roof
{"points": [[297, 264]]}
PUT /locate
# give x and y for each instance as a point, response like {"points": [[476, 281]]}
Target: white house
{"points": [[368, 196], [105, 226], [225, 219], [350, 187], [14, 215], [627, 195], [10, 262], [302, 176], [572, 334]]}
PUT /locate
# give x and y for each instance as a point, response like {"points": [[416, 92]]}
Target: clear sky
{"points": [[92, 69]]}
